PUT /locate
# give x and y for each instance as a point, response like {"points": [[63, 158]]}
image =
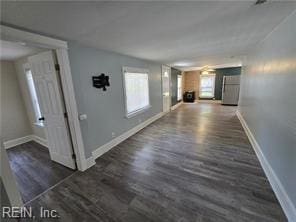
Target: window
{"points": [[207, 86], [136, 87], [34, 98], [179, 85]]}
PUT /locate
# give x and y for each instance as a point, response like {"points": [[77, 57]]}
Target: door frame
{"points": [[61, 49], [170, 87]]}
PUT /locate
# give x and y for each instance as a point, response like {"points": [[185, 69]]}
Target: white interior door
{"points": [[49, 94], [166, 94]]}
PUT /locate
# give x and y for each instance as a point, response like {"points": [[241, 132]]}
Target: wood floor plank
{"points": [[35, 172], [194, 164]]}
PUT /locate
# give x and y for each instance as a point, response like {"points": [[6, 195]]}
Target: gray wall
{"points": [[106, 110], [268, 100], [36, 129], [14, 119], [174, 86]]}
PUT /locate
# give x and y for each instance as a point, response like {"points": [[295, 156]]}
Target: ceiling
{"points": [[13, 51], [181, 34]]}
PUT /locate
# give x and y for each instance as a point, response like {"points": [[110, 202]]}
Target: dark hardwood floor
{"points": [[194, 164], [33, 169]]}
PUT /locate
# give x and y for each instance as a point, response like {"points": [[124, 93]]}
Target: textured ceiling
{"points": [[181, 34], [13, 51]]}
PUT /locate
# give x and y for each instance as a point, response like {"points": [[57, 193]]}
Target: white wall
{"points": [[14, 119], [19, 66]]}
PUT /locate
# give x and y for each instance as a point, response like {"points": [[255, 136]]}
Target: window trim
{"points": [[36, 122], [140, 71], [207, 97]]}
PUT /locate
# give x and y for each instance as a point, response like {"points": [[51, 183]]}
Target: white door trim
{"points": [[32, 39], [71, 107], [61, 47]]}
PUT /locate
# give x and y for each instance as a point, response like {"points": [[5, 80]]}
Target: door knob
{"points": [[41, 118]]}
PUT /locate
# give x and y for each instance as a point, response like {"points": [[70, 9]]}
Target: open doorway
{"points": [[34, 127]]}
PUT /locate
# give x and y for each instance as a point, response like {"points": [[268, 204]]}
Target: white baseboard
{"points": [[90, 162], [86, 163], [40, 140], [176, 106], [276, 184], [25, 139], [209, 101], [106, 147], [18, 141]]}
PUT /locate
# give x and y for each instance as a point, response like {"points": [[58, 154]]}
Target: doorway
{"points": [[29, 101], [57, 113], [60, 51]]}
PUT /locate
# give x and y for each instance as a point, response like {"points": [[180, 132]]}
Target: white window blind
{"points": [[207, 86], [33, 94], [136, 91], [179, 85]]}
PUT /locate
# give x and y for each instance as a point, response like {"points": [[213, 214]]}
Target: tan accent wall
{"points": [[191, 82]]}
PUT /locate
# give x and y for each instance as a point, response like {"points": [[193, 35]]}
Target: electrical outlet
{"points": [[82, 117], [113, 134]]}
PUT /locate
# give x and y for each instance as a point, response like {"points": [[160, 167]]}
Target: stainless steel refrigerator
{"points": [[230, 90]]}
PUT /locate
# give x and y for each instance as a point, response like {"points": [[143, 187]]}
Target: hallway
{"points": [[194, 164]]}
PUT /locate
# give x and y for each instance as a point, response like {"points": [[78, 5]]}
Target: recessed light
{"points": [[182, 64]]}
